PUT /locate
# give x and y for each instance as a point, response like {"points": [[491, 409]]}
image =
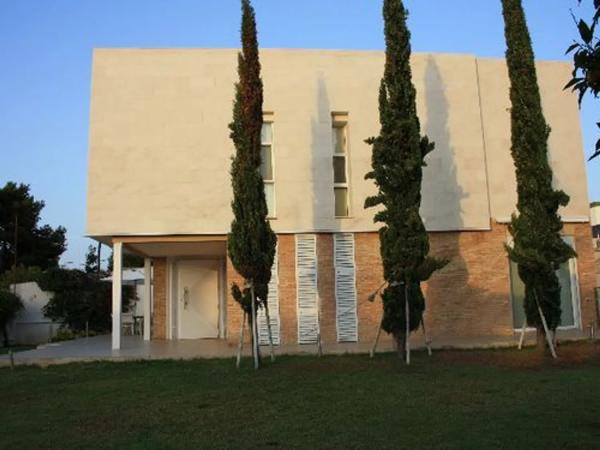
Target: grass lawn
{"points": [[493, 399]]}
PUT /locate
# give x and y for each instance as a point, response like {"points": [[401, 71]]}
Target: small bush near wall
{"points": [[81, 300], [10, 305]]}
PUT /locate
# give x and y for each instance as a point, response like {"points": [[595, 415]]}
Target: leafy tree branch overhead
{"points": [[22, 240], [586, 61]]}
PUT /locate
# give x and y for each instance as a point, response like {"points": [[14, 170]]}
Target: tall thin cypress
{"points": [[251, 242], [537, 248], [397, 161]]}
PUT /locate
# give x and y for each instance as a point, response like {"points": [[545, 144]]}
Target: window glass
{"points": [[270, 198], [341, 201], [339, 139], [566, 296], [567, 318], [266, 135], [339, 169], [266, 163]]}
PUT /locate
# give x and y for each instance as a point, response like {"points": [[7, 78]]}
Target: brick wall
{"points": [[326, 287], [159, 315], [287, 294], [469, 298], [586, 269]]}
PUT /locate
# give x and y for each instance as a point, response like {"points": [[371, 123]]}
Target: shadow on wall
{"points": [[323, 209], [459, 302], [322, 162]]}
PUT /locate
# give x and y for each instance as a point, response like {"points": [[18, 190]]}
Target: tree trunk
{"points": [[5, 335], [541, 346], [400, 338]]}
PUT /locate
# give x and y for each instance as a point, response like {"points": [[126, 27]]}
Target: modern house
{"points": [[159, 186]]}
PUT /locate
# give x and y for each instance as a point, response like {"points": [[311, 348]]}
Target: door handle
{"points": [[186, 295]]}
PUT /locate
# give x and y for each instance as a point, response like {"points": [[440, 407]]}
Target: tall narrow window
{"points": [[340, 163], [569, 298], [266, 166]]}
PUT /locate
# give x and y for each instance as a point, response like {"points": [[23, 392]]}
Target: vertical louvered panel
{"points": [[273, 299], [345, 288], [306, 286]]}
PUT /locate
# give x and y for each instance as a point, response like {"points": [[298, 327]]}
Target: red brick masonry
{"points": [[468, 299]]}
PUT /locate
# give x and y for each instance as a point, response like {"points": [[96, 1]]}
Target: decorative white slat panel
{"points": [[306, 288], [273, 299], [345, 288]]}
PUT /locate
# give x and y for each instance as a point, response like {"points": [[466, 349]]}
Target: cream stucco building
{"points": [[159, 186]]}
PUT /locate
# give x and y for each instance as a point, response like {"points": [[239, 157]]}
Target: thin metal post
{"points": [[254, 327], [522, 338], [372, 352], [407, 319], [269, 330], [241, 344]]}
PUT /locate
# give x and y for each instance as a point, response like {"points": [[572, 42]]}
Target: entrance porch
{"points": [[186, 298]]}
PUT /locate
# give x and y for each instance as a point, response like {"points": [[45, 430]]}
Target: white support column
{"points": [[147, 296], [117, 281]]}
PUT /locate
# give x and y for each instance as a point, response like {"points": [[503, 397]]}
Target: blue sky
{"points": [[46, 50]]}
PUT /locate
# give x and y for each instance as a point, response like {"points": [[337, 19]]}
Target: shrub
{"points": [[10, 305], [81, 298]]}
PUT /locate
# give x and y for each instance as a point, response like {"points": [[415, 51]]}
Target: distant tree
{"points": [[22, 241], [129, 260], [538, 248], [80, 300], [586, 61], [397, 162], [91, 260], [10, 305], [251, 243]]}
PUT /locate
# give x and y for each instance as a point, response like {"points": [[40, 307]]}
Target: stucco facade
{"points": [[159, 161]]}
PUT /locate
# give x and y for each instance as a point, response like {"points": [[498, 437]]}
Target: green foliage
{"points": [[64, 334], [20, 275], [538, 247], [10, 305], [129, 260], [39, 246], [91, 260], [397, 161], [251, 243], [81, 298], [586, 61]]}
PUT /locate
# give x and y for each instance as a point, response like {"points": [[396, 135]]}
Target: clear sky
{"points": [[46, 52]]}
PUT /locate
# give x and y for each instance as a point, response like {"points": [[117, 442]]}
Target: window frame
{"points": [[575, 294], [268, 119], [340, 120]]}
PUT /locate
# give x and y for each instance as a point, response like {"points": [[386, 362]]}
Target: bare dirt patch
{"points": [[569, 354]]}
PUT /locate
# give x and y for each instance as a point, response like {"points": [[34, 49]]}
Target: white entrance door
{"points": [[198, 299]]}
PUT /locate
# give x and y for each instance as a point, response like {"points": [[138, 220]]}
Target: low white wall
{"points": [[31, 326], [595, 215]]}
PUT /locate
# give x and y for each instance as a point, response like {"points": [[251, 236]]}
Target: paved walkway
{"points": [[134, 348]]}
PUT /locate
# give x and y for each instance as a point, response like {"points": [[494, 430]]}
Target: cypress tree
{"points": [[397, 162], [538, 248], [251, 242]]}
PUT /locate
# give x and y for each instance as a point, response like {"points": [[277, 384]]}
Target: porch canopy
{"points": [[150, 247]]}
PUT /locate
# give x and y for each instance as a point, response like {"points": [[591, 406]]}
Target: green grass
{"points": [[303, 402]]}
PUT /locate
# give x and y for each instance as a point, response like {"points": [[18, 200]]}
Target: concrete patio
{"points": [[134, 348], [98, 348]]}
